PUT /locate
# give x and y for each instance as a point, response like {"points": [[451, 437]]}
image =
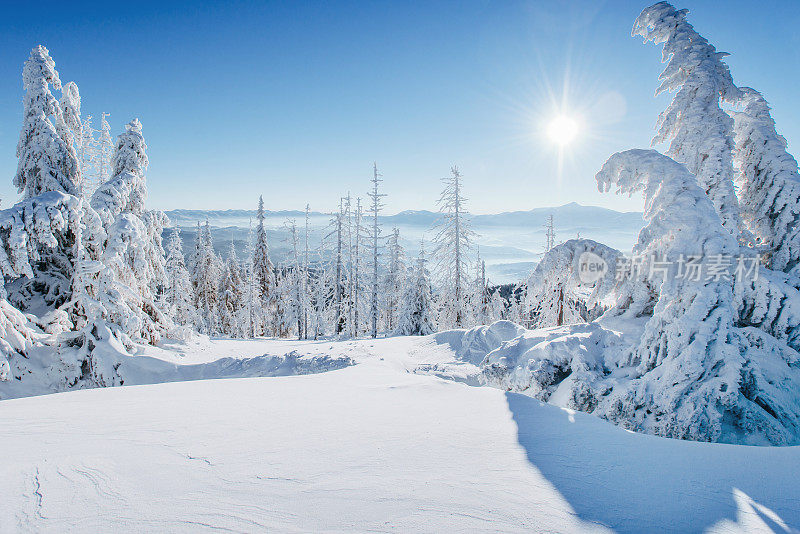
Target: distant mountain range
{"points": [[572, 214], [511, 243]]}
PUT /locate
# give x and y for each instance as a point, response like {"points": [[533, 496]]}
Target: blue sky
{"points": [[294, 100]]}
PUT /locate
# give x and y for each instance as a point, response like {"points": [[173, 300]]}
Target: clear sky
{"points": [[296, 99]]}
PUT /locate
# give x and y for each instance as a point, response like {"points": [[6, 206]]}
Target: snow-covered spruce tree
{"points": [[699, 131], [321, 291], [45, 224], [479, 299], [249, 313], [555, 293], [375, 208], [453, 243], [126, 190], [264, 274], [297, 300], [205, 280], [394, 281], [16, 339], [231, 296], [769, 183], [335, 273], [700, 374], [179, 286], [71, 126], [415, 315], [105, 151], [88, 159], [133, 247], [38, 237], [47, 160], [498, 307]]}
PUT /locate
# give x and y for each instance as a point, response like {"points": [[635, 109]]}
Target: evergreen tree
{"points": [[231, 296], [47, 159], [105, 150], [88, 158], [179, 292], [415, 313], [699, 131], [296, 296], [452, 244], [264, 273], [205, 279], [71, 125], [133, 247], [769, 183], [481, 298], [395, 280]]}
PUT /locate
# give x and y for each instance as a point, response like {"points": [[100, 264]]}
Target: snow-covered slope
{"points": [[378, 446]]}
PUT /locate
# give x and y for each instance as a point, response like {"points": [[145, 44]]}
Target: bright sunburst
{"points": [[562, 130]]}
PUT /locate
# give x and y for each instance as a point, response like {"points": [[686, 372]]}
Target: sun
{"points": [[562, 130]]}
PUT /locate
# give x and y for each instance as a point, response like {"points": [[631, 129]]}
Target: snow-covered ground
{"points": [[400, 441]]}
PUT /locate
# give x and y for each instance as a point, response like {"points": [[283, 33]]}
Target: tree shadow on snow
{"points": [[638, 483]]}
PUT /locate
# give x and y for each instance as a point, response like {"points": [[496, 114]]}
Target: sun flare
{"points": [[562, 130]]}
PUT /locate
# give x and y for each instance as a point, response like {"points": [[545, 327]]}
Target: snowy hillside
{"points": [[383, 445], [510, 242]]}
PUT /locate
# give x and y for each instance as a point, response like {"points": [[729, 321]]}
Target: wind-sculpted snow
{"points": [[109, 364], [474, 344]]}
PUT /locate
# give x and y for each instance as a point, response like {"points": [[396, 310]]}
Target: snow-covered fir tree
{"points": [[415, 315], [264, 274], [453, 244], [105, 150], [394, 281], [249, 313], [179, 289], [336, 268], [321, 291], [769, 183], [47, 158], [480, 300], [295, 293], [498, 307], [699, 131], [231, 296], [71, 127], [205, 279], [133, 247]]}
